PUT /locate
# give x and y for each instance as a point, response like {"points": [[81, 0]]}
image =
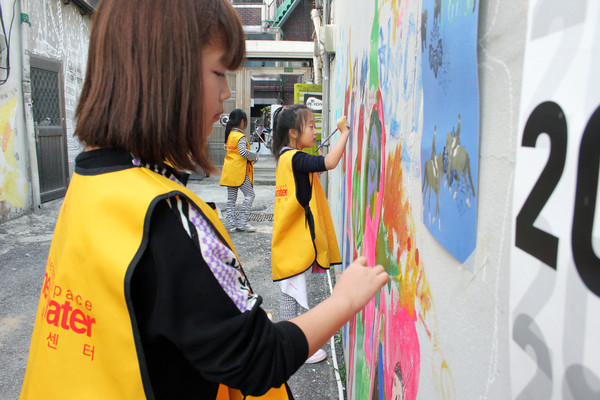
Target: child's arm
{"points": [[244, 152], [333, 157], [354, 289]]}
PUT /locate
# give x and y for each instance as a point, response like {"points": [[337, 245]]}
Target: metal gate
{"points": [[50, 130]]}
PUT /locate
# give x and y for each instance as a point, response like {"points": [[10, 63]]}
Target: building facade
{"points": [[43, 55], [44, 60]]}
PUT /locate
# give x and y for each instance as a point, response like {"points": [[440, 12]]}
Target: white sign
{"points": [[555, 269]]}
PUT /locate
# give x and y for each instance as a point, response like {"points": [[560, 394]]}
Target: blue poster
{"points": [[450, 139]]}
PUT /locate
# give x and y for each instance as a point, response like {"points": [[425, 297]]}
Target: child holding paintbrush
{"points": [[303, 233]]}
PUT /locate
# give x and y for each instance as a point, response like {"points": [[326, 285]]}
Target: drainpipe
{"points": [[27, 106], [324, 181], [326, 95], [314, 14], [326, 74]]}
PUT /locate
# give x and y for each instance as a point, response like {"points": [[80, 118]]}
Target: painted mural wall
{"points": [[441, 328], [15, 183]]}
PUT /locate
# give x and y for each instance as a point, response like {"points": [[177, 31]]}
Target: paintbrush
{"points": [[329, 137]]}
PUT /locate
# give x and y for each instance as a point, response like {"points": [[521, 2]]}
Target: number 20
{"points": [[549, 118]]}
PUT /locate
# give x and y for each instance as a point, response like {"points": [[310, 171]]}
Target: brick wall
{"points": [[250, 16], [299, 26], [288, 85]]}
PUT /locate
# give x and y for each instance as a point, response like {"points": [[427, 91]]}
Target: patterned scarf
{"points": [[221, 260]]}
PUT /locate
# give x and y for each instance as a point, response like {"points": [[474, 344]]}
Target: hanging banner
{"points": [[555, 269]]}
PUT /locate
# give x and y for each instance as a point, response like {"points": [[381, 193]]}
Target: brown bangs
{"points": [[221, 26], [234, 41]]}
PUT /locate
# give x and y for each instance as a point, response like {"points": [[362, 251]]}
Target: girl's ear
{"points": [[293, 133]]}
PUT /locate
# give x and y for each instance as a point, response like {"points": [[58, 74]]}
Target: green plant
{"points": [[338, 337], [341, 370]]}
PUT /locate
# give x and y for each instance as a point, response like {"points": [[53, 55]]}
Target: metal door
{"points": [[50, 129]]}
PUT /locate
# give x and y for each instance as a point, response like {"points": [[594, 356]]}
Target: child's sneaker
{"points": [[319, 356], [246, 228]]}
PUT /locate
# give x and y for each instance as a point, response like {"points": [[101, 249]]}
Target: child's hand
{"points": [[359, 283], [342, 125], [335, 154]]}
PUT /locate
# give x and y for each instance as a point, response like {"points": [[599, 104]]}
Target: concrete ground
{"points": [[24, 245]]}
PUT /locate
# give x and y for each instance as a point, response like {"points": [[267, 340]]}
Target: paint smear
{"points": [[9, 184]]}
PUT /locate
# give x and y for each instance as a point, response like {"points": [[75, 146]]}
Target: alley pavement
{"points": [[24, 245]]}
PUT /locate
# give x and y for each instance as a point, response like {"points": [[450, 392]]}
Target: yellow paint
{"points": [[8, 140], [9, 189]]}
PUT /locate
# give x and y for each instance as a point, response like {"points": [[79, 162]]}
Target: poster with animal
{"points": [[450, 139], [555, 268]]}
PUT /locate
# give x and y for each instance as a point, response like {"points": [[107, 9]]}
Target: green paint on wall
{"points": [[373, 56], [358, 215], [385, 256], [361, 371]]}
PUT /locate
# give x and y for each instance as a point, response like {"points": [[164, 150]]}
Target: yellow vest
{"points": [[293, 248], [83, 344], [235, 167]]}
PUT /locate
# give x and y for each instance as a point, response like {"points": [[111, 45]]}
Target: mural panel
{"points": [[555, 268]]}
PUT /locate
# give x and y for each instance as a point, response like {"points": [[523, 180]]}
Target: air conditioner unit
{"points": [[328, 33]]}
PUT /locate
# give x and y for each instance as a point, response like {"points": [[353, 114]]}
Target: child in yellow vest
{"points": [[303, 233], [144, 295], [238, 171]]}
